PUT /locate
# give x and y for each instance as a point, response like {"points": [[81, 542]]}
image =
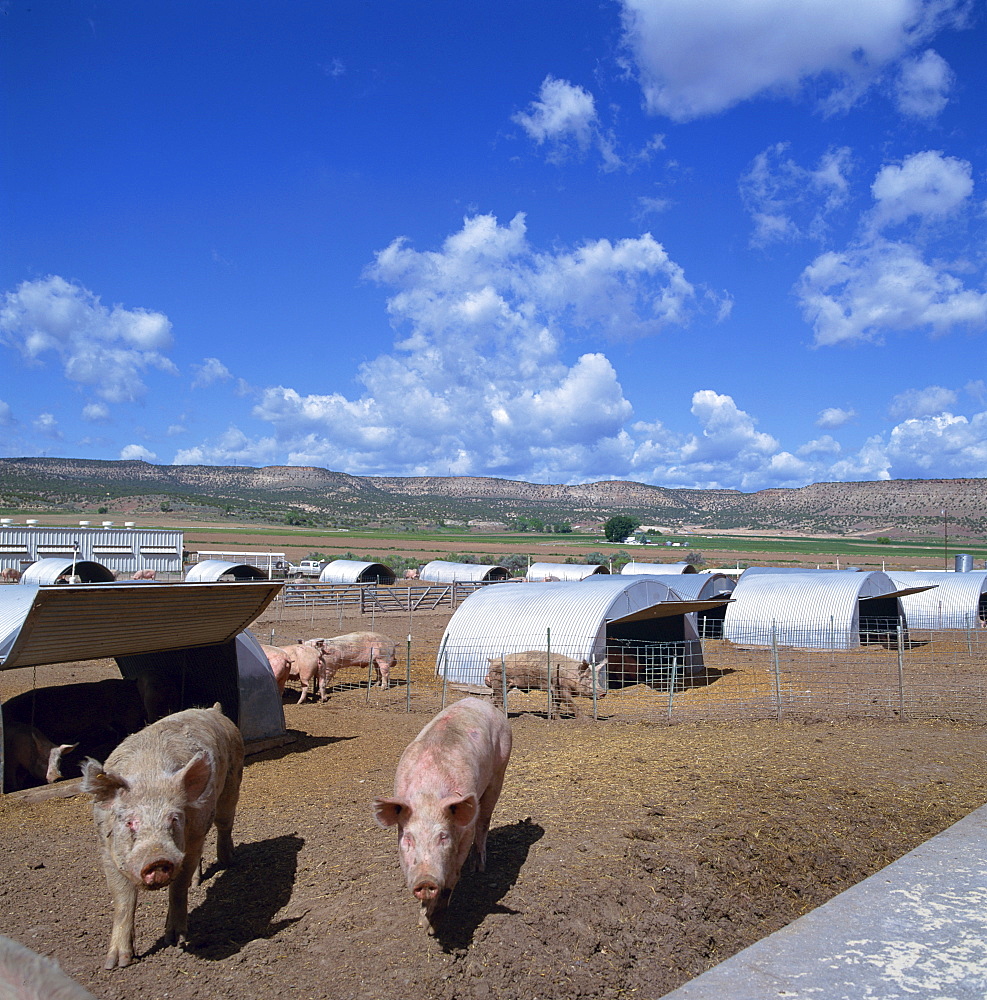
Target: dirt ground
{"points": [[624, 857]]}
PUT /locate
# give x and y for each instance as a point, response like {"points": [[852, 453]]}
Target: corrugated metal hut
{"points": [[187, 643], [623, 618], [959, 600], [439, 571], [59, 569], [657, 569], [822, 609], [542, 572], [213, 570], [354, 571], [702, 587]]}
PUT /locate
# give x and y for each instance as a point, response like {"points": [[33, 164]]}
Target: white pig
{"points": [[447, 783], [156, 797], [306, 663], [359, 649], [26, 975]]}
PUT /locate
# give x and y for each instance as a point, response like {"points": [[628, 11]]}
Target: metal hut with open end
{"points": [[820, 609], [354, 571], [440, 571], [544, 572], [958, 600], [182, 645], [642, 626], [702, 587]]}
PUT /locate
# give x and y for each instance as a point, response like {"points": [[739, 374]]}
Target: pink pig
{"points": [[447, 783]]}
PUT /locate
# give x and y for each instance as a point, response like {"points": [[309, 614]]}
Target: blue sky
{"points": [[719, 244]]}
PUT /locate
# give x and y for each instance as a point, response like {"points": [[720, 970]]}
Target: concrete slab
{"points": [[917, 929]]}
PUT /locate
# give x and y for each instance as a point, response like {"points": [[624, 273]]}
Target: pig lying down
{"points": [[29, 754], [155, 799], [447, 783]]}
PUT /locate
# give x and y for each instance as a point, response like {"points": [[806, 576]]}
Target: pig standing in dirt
{"points": [[528, 671], [27, 754], [279, 663], [155, 799], [447, 783], [360, 649], [306, 663], [26, 975]]}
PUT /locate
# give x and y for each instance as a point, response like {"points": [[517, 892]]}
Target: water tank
{"points": [[964, 563]]}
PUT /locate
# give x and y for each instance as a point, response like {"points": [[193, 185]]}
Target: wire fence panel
{"points": [[891, 673]]}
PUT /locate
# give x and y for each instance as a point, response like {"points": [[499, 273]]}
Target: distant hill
{"points": [[320, 497]]}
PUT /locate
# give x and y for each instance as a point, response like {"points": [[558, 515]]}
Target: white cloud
{"points": [[47, 425], [210, 371], [137, 453], [694, 59], [928, 185], [826, 445], [485, 376], [787, 201], [6, 415], [233, 447], [939, 445], [884, 287], [563, 113], [105, 349], [834, 416], [96, 412], [933, 399], [923, 85]]}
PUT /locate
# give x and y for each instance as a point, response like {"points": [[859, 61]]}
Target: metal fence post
{"points": [[901, 670], [444, 660], [370, 673], [548, 669], [671, 686], [503, 682], [596, 680], [407, 674], [777, 667]]}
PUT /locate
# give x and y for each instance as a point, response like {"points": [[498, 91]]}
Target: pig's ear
{"points": [[463, 810], [104, 785], [388, 812], [195, 776]]}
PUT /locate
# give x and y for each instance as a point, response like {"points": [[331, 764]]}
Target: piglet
{"points": [[447, 783], [155, 799]]}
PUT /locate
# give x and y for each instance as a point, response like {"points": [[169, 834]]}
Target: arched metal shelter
{"points": [[57, 569], [702, 587], [542, 572], [657, 569], [212, 570], [440, 571], [959, 600], [582, 619], [354, 571], [822, 609], [190, 636]]}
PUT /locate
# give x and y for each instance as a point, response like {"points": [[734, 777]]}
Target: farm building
{"points": [[354, 571], [213, 570], [57, 569], [959, 600], [637, 619], [816, 609], [439, 571], [188, 641], [702, 587], [550, 572], [272, 563], [657, 569], [121, 550]]}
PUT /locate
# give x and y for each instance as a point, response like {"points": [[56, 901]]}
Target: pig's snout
{"points": [[158, 874], [426, 890]]}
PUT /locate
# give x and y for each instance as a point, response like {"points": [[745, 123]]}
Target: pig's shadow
{"points": [[479, 893], [242, 900]]}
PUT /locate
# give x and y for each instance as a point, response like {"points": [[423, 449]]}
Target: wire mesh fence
{"points": [[889, 672]]}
